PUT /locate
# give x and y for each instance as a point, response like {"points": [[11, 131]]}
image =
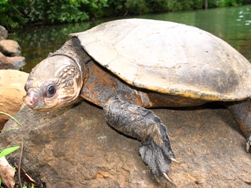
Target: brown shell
{"points": [[169, 58]]}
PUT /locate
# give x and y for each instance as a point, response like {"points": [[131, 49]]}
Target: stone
{"points": [[6, 63], [74, 147], [12, 91], [15, 62], [3, 33], [10, 47], [18, 61]]}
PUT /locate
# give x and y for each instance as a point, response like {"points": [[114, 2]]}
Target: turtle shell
{"points": [[169, 58]]}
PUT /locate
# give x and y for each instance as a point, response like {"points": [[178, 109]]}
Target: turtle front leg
{"points": [[138, 122], [242, 113]]}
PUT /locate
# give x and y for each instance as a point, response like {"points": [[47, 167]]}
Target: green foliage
{"points": [[16, 13], [136, 7], [64, 11], [11, 117], [9, 150], [224, 3], [12, 13], [56, 11], [94, 8]]}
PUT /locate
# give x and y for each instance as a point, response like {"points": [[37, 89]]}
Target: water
{"points": [[232, 24]]}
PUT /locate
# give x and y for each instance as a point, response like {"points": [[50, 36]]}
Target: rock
{"points": [[18, 61], [74, 147], [11, 62], [3, 33], [12, 91], [10, 48], [6, 63]]}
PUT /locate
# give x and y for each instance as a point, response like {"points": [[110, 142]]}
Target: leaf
{"points": [[11, 118], [9, 150]]}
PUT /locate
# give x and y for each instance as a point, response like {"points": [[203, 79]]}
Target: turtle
{"points": [[129, 66]]}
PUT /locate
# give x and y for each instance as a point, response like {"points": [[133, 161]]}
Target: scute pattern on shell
{"points": [[169, 58]]}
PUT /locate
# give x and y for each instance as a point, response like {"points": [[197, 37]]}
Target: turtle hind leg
{"points": [[138, 122], [241, 111]]}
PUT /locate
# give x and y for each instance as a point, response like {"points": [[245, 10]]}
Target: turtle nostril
{"points": [[31, 99], [30, 102]]}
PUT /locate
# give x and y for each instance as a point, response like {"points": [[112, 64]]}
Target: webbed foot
{"points": [[157, 154], [248, 144], [143, 124]]}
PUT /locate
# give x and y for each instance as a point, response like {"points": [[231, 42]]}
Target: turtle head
{"points": [[55, 81]]}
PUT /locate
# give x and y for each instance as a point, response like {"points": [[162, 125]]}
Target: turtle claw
{"points": [[248, 144], [167, 178], [174, 160], [157, 156]]}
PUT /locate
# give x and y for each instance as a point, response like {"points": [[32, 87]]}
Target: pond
{"points": [[232, 24]]}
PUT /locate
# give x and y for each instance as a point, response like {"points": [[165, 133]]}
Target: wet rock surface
{"points": [[74, 147], [9, 52]]}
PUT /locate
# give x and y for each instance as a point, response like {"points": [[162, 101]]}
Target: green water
{"points": [[232, 24]]}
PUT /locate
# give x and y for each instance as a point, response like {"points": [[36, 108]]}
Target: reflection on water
{"points": [[232, 24]]}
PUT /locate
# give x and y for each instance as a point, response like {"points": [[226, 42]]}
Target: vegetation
{"points": [[12, 117], [9, 150], [16, 13]]}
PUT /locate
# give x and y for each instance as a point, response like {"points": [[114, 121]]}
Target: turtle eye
{"points": [[51, 90]]}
